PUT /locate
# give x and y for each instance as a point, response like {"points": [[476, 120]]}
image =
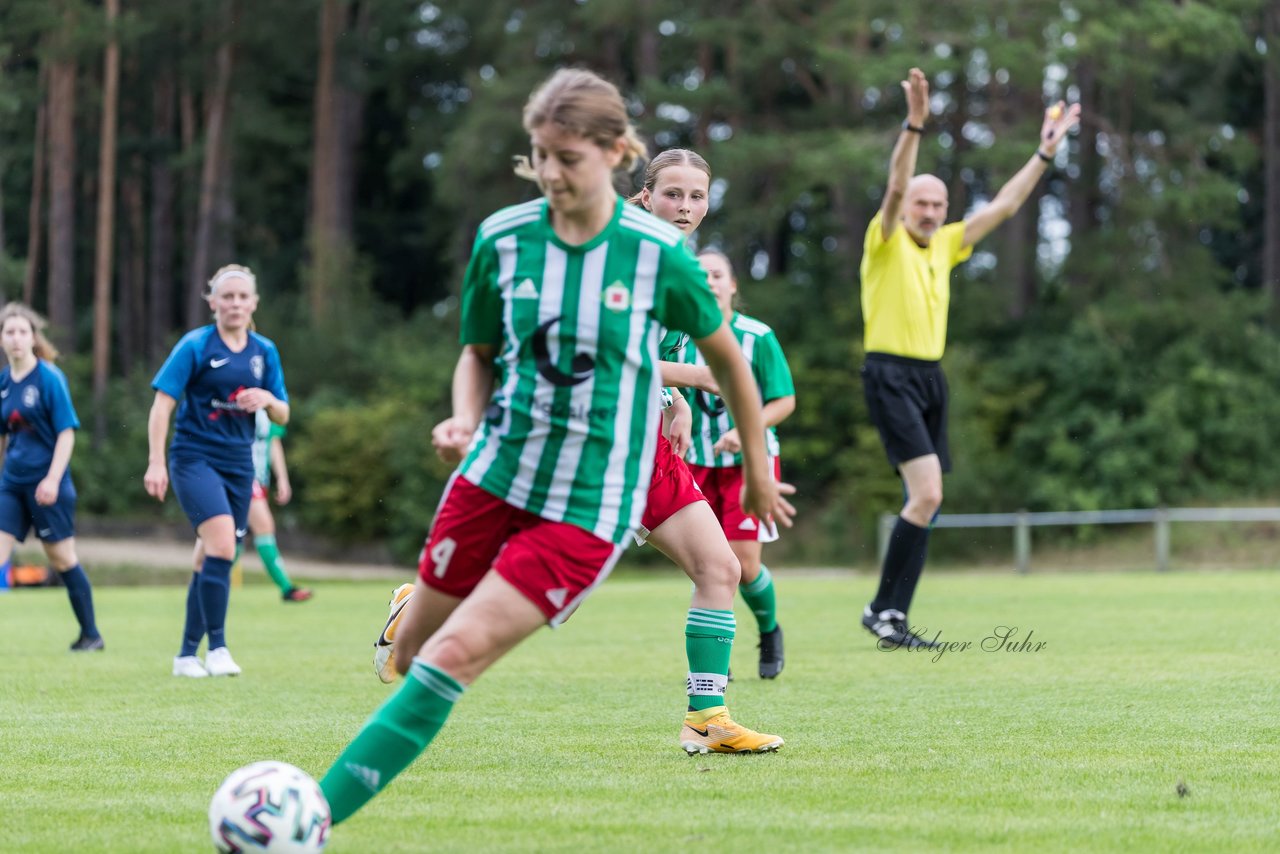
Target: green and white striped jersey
{"points": [[265, 431], [711, 418], [571, 430]]}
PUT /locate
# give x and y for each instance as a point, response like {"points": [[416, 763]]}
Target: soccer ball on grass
{"points": [[269, 806]]}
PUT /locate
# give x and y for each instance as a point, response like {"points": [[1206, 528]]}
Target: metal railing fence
{"points": [[1161, 518]]}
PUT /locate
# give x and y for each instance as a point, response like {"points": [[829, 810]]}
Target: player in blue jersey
{"points": [[217, 377], [39, 433]]}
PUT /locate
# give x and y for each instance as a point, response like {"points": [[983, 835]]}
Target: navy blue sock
{"points": [[193, 629], [215, 592], [80, 592]]}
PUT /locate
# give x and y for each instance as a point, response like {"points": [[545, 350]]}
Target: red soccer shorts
{"points": [[671, 489], [259, 491], [554, 564], [723, 489]]}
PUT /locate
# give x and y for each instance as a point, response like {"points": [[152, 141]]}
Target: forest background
{"points": [[1113, 345]]}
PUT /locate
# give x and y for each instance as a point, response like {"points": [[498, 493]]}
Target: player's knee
{"points": [[928, 500], [719, 571], [454, 654]]}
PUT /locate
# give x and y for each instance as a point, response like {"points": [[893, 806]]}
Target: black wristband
{"points": [[906, 125], [1046, 158]]}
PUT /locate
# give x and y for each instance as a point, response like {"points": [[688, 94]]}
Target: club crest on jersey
{"points": [[30, 396], [617, 297], [256, 365]]}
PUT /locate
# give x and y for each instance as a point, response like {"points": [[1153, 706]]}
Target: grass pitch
{"points": [[1148, 720]]}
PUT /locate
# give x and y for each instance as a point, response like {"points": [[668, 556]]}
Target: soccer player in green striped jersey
{"points": [[567, 293], [678, 520], [714, 456]]}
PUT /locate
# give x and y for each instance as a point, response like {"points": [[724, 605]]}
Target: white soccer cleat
{"points": [[220, 663], [190, 666], [384, 647], [384, 663]]}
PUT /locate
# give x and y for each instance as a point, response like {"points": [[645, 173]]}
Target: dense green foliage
{"points": [[1082, 745], [1108, 348]]}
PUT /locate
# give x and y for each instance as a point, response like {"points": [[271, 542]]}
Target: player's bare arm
{"points": [[48, 488], [1059, 119], [253, 399], [472, 387], [774, 413], [681, 375], [902, 165], [677, 424], [156, 480], [760, 494]]}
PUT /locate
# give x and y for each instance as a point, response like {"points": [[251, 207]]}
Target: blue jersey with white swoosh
{"points": [[205, 376]]}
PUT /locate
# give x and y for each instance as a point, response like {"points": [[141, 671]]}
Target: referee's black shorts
{"points": [[907, 399]]}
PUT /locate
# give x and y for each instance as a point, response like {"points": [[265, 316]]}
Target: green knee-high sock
{"points": [[270, 554], [708, 640], [762, 601], [396, 734]]}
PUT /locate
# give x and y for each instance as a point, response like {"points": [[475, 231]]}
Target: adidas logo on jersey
{"points": [[556, 597], [747, 525], [525, 290], [368, 777]]}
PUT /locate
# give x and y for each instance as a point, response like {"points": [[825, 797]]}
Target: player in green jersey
{"points": [[677, 519], [268, 458], [568, 293], [714, 459]]}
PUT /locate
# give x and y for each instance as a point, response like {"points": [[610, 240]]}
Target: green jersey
{"points": [[570, 432], [711, 418], [265, 431]]}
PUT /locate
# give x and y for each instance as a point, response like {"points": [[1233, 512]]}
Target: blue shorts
{"points": [[19, 512], [205, 491]]}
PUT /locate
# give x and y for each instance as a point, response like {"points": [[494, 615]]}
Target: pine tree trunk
{"points": [[35, 213], [324, 161], [339, 111], [222, 245], [4, 284], [648, 65], [132, 269], [1084, 198], [216, 122], [106, 226], [189, 200], [62, 199], [160, 279], [1271, 158]]}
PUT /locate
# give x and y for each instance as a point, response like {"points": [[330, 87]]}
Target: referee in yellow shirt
{"points": [[907, 259]]}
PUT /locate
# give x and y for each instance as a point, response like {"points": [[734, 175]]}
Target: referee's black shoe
{"points": [[890, 626], [771, 653]]}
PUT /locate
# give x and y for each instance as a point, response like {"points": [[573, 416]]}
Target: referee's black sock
{"points": [[903, 563], [911, 572]]}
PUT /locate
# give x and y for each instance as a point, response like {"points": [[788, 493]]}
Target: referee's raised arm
{"points": [[1059, 119], [902, 166]]}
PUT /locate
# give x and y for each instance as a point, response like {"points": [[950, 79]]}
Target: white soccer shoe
{"points": [[220, 663], [189, 665], [384, 647]]}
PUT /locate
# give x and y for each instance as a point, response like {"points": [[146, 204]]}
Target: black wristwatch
{"points": [[906, 125], [1046, 158]]}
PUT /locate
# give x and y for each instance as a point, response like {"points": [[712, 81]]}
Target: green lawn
{"points": [[570, 744]]}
